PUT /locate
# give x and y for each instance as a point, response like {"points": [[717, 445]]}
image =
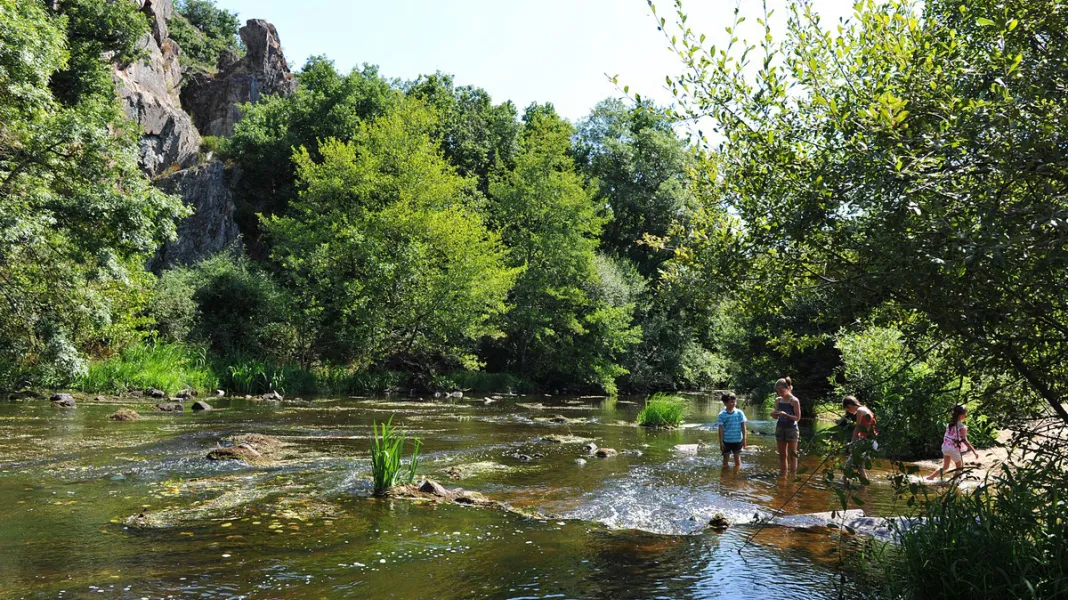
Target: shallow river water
{"points": [[304, 524]]}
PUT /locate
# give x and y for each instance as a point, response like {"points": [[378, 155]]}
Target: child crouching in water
{"points": [[955, 438], [732, 434]]}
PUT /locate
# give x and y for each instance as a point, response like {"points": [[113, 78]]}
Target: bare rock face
{"points": [[149, 91], [211, 228], [213, 101]]}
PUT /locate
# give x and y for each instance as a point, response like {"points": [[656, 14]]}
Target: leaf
{"points": [[1012, 24], [984, 22]]}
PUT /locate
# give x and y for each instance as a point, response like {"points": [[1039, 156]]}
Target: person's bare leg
{"points": [[737, 460], [793, 455], [942, 470], [782, 456]]}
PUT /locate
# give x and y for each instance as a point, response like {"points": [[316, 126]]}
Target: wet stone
{"points": [[62, 401], [718, 522], [605, 452], [243, 452], [170, 407], [200, 405], [125, 414], [432, 487], [154, 393], [590, 448]]}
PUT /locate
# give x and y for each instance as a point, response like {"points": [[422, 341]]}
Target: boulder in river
{"points": [[63, 401], [271, 396], [125, 414], [243, 452], [605, 452], [170, 407], [432, 487], [590, 448], [200, 405], [719, 523], [154, 393], [186, 393]]}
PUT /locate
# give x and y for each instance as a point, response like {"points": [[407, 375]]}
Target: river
{"points": [[304, 524]]}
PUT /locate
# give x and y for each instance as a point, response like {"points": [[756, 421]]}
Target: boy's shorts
{"points": [[732, 448]]}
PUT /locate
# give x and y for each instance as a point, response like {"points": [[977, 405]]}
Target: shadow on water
{"points": [[303, 524]]}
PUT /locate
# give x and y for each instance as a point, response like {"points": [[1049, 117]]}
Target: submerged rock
{"points": [[605, 452], [567, 439], [243, 452], [580, 461], [590, 448], [200, 405], [719, 523], [435, 492], [473, 469], [62, 401], [170, 407], [125, 414], [264, 444]]}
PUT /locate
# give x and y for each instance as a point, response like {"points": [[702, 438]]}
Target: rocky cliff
{"points": [[213, 100], [151, 91]]}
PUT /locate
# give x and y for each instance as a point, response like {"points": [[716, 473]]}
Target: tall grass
{"points": [[387, 445], [1002, 539], [169, 367], [662, 411], [242, 375]]}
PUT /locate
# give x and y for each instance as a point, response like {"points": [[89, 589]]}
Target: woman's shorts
{"points": [[952, 452], [732, 448], [786, 433]]}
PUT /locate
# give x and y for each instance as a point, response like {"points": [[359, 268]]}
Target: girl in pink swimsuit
{"points": [[955, 438]]}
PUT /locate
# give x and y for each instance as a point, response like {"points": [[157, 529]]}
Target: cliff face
{"points": [[149, 90], [213, 101], [152, 95]]}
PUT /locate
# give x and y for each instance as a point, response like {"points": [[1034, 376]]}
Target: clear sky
{"points": [[546, 51]]}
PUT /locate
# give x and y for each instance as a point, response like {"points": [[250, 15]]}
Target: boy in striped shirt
{"points": [[732, 434]]}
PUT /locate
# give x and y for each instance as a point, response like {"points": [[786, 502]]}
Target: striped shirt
{"points": [[732, 423]]}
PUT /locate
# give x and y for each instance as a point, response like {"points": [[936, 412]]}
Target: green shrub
{"points": [[662, 411], [911, 396], [387, 445], [169, 367]]}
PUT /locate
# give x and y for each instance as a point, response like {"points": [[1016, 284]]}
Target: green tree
{"points": [[77, 216], [203, 32], [475, 134], [387, 250], [913, 155], [565, 325], [326, 105]]}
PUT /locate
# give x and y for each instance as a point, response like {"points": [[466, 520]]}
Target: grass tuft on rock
{"points": [[662, 411], [387, 445]]}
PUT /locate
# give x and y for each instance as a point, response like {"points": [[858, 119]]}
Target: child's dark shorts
{"points": [[732, 448], [786, 433]]}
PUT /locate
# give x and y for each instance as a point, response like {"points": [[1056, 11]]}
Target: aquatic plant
{"points": [[387, 445], [662, 411]]}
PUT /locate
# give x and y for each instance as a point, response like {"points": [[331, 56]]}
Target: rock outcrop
{"points": [[149, 91], [211, 228], [213, 100]]}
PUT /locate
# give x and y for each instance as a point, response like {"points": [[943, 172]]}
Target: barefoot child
{"points": [[732, 434], [788, 413], [955, 438], [864, 429]]}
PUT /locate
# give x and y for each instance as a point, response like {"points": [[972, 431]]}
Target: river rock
{"points": [[220, 393], [432, 487], [605, 452], [687, 448], [580, 461], [590, 448], [271, 396], [125, 414], [186, 394], [214, 100], [154, 393], [170, 407], [718, 522], [200, 405], [631, 452], [62, 401], [243, 452]]}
